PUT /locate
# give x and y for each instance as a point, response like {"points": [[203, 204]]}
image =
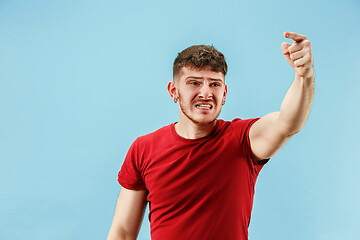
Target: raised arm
{"points": [[128, 215], [272, 131]]}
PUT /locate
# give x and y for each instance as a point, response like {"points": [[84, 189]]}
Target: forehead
{"points": [[202, 73]]}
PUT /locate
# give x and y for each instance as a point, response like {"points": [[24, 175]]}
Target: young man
{"points": [[198, 174]]}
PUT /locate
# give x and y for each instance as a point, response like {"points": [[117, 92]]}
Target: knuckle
{"points": [[308, 57], [305, 67], [299, 63], [295, 55]]}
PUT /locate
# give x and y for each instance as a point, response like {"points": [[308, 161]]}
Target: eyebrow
{"points": [[212, 79]]}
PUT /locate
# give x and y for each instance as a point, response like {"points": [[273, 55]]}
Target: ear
{"points": [[225, 93], [172, 90]]}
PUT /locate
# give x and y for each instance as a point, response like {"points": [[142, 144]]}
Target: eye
{"points": [[215, 84], [194, 83]]}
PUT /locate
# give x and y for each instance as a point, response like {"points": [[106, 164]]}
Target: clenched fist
{"points": [[298, 54]]}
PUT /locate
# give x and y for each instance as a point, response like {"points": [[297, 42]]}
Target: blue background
{"points": [[80, 80]]}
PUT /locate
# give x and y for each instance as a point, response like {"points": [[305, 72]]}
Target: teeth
{"points": [[203, 106]]}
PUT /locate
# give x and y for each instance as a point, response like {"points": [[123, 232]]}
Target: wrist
{"points": [[307, 78]]}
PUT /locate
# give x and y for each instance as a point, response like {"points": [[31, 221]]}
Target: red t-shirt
{"points": [[197, 188]]}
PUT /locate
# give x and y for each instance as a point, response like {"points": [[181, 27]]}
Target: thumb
{"points": [[285, 51]]}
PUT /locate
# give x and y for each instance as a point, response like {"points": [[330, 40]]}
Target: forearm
{"points": [[273, 130], [128, 215], [296, 105]]}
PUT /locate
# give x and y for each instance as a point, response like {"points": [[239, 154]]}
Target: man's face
{"points": [[200, 93]]}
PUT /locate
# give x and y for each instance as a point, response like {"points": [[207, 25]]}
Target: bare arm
{"points": [[128, 215], [273, 130]]}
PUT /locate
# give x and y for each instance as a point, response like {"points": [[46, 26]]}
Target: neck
{"points": [[192, 130]]}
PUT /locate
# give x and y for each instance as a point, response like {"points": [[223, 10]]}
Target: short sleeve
{"points": [[129, 176], [242, 129]]}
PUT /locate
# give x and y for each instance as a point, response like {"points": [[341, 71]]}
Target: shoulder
{"points": [[237, 123], [244, 124], [158, 134], [237, 128]]}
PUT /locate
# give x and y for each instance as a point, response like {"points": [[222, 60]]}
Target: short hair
{"points": [[200, 56]]}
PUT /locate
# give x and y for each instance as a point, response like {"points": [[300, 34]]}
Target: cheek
{"points": [[188, 96], [183, 97], [220, 94]]}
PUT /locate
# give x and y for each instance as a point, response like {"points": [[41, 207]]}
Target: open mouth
{"points": [[203, 106]]}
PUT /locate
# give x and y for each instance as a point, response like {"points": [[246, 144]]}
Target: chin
{"points": [[203, 124], [202, 121]]}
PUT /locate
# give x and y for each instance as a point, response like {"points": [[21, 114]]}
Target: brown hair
{"points": [[200, 56]]}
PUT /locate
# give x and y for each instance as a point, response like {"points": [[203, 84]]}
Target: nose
{"points": [[205, 92]]}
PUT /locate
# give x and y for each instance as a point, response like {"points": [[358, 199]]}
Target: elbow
{"points": [[289, 130], [292, 132], [120, 235], [115, 237]]}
